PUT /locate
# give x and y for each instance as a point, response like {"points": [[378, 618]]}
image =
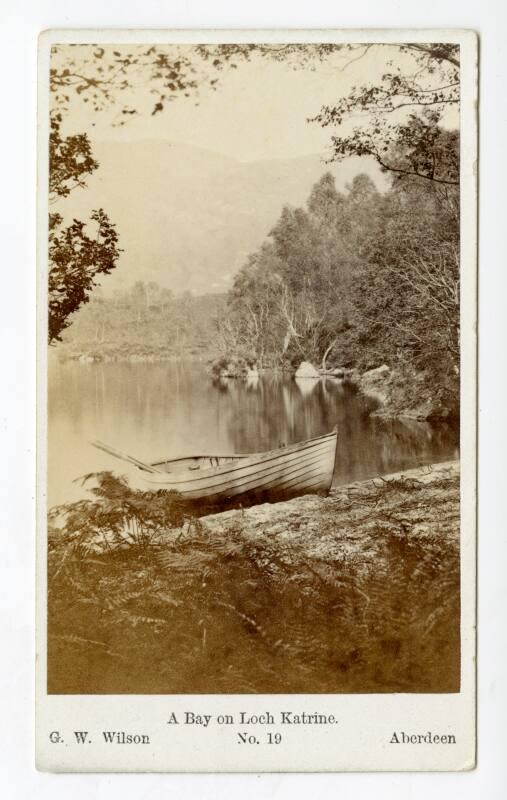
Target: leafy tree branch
{"points": [[75, 260]]}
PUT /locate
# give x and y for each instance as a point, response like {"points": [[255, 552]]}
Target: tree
{"points": [[75, 258], [254, 324], [405, 298], [365, 277], [291, 295], [70, 160], [104, 77], [403, 115]]}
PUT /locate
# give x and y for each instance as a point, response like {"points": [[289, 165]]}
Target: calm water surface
{"points": [[170, 409]]}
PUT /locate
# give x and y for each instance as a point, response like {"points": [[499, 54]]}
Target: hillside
{"points": [[188, 217]]}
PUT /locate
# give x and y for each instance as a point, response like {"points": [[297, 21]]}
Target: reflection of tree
{"points": [[277, 413], [164, 410], [252, 383]]}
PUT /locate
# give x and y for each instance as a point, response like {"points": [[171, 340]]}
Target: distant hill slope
{"points": [[188, 217]]}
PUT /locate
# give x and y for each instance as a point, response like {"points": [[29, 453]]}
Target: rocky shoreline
{"points": [[414, 504], [397, 395]]}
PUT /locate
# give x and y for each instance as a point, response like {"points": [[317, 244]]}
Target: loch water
{"points": [[166, 409]]}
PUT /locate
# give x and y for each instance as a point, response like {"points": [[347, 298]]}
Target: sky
{"points": [[260, 110]]}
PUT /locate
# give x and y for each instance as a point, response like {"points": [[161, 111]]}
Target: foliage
{"points": [[119, 75], [123, 75], [143, 599], [118, 516], [403, 116], [75, 260], [70, 159], [234, 610], [289, 300], [145, 321], [361, 278], [100, 75]]}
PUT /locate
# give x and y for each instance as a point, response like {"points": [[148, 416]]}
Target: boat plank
{"points": [[216, 476], [212, 479], [271, 479], [317, 481], [292, 482]]}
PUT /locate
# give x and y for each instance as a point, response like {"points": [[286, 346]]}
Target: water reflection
{"points": [[252, 382], [167, 409], [306, 385]]}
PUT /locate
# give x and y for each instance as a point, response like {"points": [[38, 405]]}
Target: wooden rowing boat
{"points": [[303, 468]]}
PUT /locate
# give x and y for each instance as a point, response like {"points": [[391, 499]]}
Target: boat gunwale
{"points": [[259, 458], [287, 448], [269, 474]]}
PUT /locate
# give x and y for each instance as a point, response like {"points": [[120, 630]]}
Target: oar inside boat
{"points": [[125, 457]]}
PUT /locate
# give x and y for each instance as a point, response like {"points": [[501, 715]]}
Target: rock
{"points": [[378, 372], [312, 527], [333, 372], [375, 382], [352, 375], [307, 370]]}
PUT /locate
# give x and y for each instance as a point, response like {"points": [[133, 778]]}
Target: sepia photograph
{"points": [[253, 367]]}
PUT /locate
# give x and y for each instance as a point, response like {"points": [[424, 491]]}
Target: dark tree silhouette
{"points": [[70, 160], [75, 258]]}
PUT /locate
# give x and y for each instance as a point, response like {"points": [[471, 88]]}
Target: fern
{"points": [[144, 598]]}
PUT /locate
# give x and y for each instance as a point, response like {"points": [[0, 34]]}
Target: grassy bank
{"points": [[357, 592]]}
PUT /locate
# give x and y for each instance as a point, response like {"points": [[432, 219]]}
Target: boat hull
{"points": [[304, 468]]}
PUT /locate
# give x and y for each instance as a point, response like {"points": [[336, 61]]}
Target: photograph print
{"points": [[253, 368]]}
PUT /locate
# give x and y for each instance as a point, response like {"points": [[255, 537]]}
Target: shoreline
{"points": [[392, 394], [414, 503], [381, 385], [356, 592]]}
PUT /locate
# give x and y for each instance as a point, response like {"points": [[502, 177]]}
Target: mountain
{"points": [[188, 217]]}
